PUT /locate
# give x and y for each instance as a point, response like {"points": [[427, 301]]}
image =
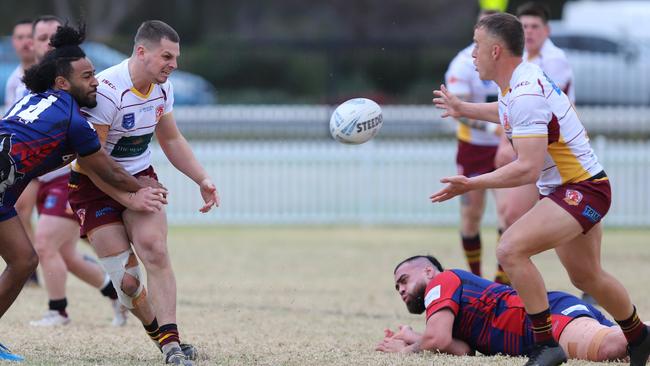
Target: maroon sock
{"points": [[168, 334], [543, 328], [472, 247], [633, 329]]}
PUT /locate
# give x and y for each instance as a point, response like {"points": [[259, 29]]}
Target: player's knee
{"points": [[124, 272], [507, 254], [584, 279], [129, 284], [509, 214], [23, 264], [612, 349], [155, 255], [31, 262]]}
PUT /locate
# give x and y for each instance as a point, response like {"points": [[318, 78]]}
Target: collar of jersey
{"points": [[140, 95]]}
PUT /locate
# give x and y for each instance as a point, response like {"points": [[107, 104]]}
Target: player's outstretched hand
{"points": [[391, 345], [456, 185], [147, 199], [209, 194], [447, 101]]}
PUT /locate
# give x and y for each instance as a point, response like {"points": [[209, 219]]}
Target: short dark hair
{"points": [[46, 18], [536, 9], [430, 258], [22, 21], [507, 28], [152, 31], [56, 62]]}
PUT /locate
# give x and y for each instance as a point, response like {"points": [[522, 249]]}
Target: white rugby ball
{"points": [[356, 121]]}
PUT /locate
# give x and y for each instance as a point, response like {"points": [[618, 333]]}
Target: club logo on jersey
{"points": [[159, 111], [128, 121], [432, 295], [572, 197], [8, 171]]}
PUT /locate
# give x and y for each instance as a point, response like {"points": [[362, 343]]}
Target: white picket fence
{"points": [[381, 182]]}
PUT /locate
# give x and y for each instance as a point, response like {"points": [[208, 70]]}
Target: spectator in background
{"points": [[21, 40]]}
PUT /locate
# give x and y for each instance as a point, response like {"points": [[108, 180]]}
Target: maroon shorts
{"points": [[52, 198], [93, 207], [473, 160], [587, 201]]}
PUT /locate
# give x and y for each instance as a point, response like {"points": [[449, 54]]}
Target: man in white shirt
{"points": [[135, 101], [21, 40], [477, 147], [553, 149], [540, 50]]}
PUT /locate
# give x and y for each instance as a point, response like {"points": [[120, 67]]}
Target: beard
{"points": [[415, 304], [83, 98]]}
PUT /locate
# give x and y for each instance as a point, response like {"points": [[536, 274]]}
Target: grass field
{"points": [[287, 296]]}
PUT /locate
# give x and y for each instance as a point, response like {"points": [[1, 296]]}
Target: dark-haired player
{"points": [[57, 231], [552, 149], [42, 132], [135, 101], [466, 313]]}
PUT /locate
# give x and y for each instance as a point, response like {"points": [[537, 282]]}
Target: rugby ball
{"points": [[356, 121]]}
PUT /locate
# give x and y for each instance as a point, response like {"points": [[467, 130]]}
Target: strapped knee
{"points": [[117, 267]]}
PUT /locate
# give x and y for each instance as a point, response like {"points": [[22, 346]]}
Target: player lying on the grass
{"points": [[466, 313]]}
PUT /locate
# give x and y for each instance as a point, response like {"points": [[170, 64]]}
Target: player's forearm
{"points": [[119, 179], [120, 196], [180, 154], [480, 111], [458, 348], [514, 174]]}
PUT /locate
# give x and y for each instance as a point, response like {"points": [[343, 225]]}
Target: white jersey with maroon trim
{"points": [[131, 115], [462, 78], [553, 61], [15, 89], [535, 107]]}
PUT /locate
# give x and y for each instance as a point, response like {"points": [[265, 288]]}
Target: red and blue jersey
{"points": [[491, 318], [38, 134]]}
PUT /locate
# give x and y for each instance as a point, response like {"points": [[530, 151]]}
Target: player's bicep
{"points": [[531, 151], [166, 128]]}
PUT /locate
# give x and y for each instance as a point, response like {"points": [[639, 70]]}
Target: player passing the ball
{"points": [[135, 101], [553, 149]]}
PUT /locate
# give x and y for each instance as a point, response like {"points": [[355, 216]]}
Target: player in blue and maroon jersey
{"points": [[44, 131], [466, 313]]}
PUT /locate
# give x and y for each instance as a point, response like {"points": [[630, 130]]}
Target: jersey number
{"points": [[31, 112]]}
